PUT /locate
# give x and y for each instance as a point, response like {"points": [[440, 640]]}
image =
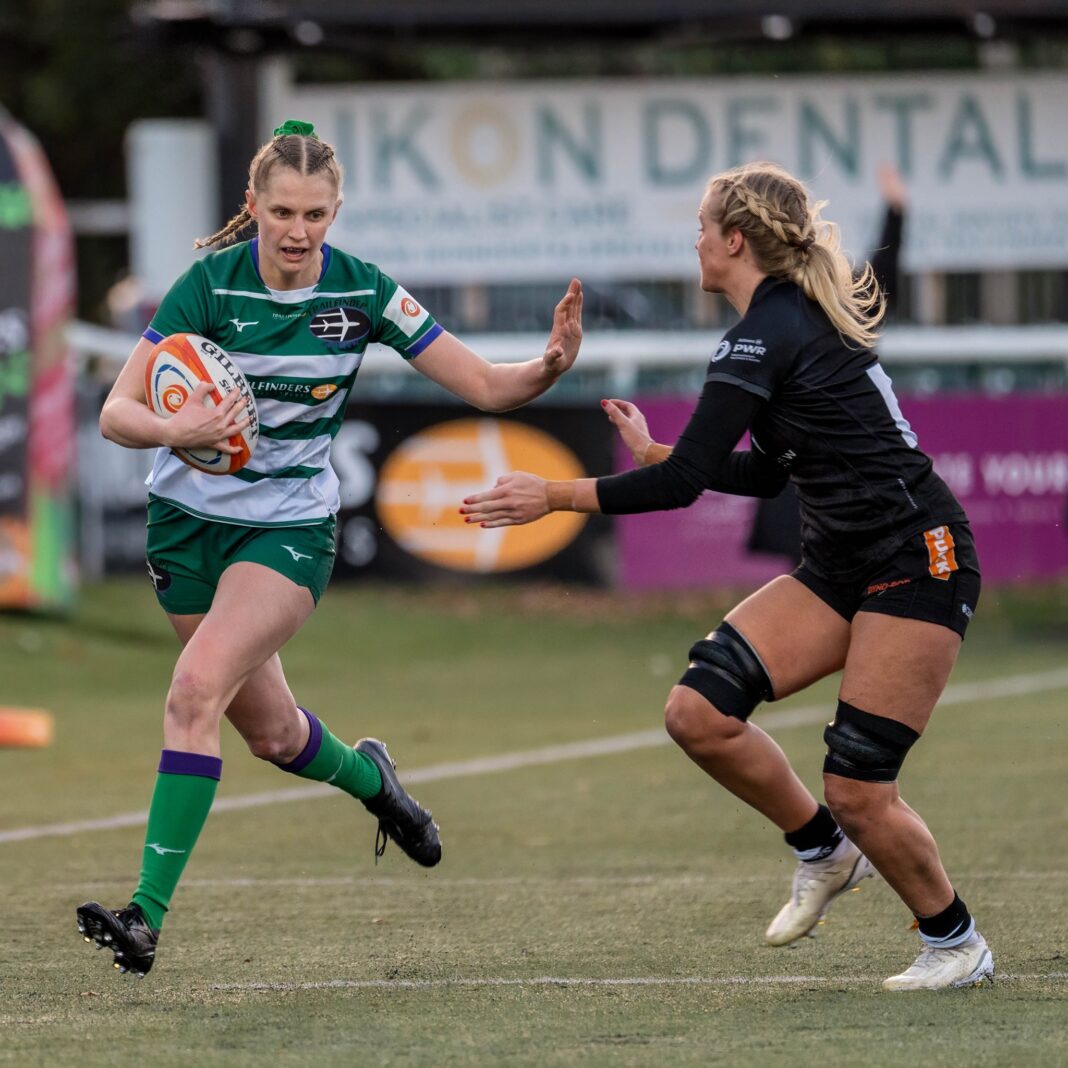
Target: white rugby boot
{"points": [[816, 884], [969, 964]]}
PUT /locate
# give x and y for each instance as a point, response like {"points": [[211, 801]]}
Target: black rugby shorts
{"points": [[933, 577]]}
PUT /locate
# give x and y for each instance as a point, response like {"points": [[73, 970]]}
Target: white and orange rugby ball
{"points": [[175, 367]]}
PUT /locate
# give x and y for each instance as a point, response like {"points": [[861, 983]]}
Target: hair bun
{"points": [[296, 128]]}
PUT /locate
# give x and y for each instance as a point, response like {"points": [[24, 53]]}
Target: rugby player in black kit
{"points": [[889, 577]]}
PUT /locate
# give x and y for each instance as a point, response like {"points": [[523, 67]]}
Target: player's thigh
{"points": [[798, 637], [897, 667], [255, 611]]}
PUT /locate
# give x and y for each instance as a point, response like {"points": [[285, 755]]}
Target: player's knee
{"points": [[278, 749], [855, 804], [726, 671], [192, 698], [694, 724], [865, 747]]}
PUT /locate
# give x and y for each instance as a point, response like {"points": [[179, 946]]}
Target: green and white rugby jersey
{"points": [[300, 351]]}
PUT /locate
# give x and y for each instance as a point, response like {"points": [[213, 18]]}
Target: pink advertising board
{"points": [[1006, 458]]}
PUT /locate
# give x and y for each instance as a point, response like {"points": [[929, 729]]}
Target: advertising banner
{"points": [[36, 387], [403, 469], [1005, 457], [493, 181]]}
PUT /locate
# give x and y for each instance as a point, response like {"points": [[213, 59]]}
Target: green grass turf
{"points": [[624, 866]]}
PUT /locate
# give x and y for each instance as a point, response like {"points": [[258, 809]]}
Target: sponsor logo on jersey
{"points": [[342, 326], [404, 311], [723, 351], [327, 389], [942, 560], [747, 348], [241, 326]]}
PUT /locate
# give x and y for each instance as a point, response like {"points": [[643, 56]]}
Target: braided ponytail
{"points": [[789, 239], [295, 145]]}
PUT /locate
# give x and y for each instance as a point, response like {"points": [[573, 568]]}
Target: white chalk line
{"points": [[437, 883], [961, 693], [572, 981]]}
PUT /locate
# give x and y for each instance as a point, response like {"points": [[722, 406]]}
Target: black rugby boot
{"points": [[125, 932], [400, 816]]}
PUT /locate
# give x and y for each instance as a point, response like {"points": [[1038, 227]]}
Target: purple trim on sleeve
{"points": [[311, 750], [152, 335], [173, 762], [417, 346]]}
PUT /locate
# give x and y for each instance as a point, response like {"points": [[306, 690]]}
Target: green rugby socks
{"points": [[185, 789], [325, 759]]}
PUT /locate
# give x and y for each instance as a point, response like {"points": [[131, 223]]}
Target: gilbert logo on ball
{"points": [[423, 481], [175, 367]]}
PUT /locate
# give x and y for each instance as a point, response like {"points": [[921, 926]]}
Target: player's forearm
{"points": [[133, 425], [511, 385], [578, 495]]}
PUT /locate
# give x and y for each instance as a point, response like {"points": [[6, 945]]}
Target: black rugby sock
{"points": [[818, 839], [952, 926]]}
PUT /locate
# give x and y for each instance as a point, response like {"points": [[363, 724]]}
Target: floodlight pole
{"points": [[231, 94]]}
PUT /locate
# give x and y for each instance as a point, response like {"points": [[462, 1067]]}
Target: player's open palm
{"points": [[566, 335], [632, 427]]}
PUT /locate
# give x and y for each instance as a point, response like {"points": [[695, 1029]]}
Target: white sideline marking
{"points": [[657, 881], [985, 690], [549, 980]]}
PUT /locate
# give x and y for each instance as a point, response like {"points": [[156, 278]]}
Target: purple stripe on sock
{"points": [[308, 753], [172, 762]]}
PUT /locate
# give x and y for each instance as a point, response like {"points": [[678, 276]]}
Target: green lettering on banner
{"points": [[387, 146], [746, 142], [689, 118], [844, 150], [14, 375], [1033, 168], [970, 137], [902, 108], [552, 132], [16, 210]]}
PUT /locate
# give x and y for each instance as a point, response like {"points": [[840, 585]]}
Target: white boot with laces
{"points": [[816, 884], [969, 964]]}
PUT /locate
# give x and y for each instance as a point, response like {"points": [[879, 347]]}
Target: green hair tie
{"points": [[297, 128]]}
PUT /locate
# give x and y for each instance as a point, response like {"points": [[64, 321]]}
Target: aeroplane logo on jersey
{"points": [[342, 326], [942, 560], [241, 326], [723, 351], [746, 348]]}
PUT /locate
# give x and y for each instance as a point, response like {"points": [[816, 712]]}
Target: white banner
{"points": [[482, 182]]}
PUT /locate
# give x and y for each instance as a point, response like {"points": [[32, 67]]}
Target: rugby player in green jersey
{"points": [[239, 561]]}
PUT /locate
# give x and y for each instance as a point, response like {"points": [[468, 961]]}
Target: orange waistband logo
{"points": [[942, 560]]}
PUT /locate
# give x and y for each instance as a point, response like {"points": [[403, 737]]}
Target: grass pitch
{"points": [[602, 910]]}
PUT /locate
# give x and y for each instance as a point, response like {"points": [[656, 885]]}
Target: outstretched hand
{"points": [[516, 498], [566, 334], [632, 427]]}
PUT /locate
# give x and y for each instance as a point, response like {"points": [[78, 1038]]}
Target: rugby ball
{"points": [[175, 366]]}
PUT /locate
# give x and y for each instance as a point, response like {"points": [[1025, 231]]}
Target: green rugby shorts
{"points": [[187, 555]]}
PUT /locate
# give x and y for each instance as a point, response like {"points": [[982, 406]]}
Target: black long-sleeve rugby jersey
{"points": [[821, 412]]}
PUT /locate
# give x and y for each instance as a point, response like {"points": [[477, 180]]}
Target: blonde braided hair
{"points": [[301, 151], [789, 239]]}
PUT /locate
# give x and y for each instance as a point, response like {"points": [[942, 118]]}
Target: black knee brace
{"points": [[866, 747], [725, 671]]}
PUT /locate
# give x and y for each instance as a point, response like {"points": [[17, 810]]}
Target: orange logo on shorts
{"points": [[410, 308], [942, 561]]}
